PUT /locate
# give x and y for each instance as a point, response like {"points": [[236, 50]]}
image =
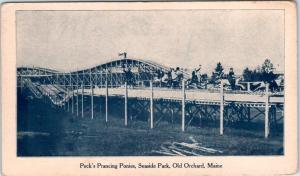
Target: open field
{"points": [[45, 130]]}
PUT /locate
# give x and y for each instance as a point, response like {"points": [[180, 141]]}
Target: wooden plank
{"points": [[199, 96]]}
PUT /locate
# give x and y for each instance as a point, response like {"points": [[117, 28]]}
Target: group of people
{"points": [[174, 76]]}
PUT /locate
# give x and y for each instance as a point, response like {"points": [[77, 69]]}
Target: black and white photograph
{"points": [[149, 88], [150, 82]]}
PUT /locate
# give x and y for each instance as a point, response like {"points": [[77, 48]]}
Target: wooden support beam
{"points": [[72, 98], [92, 95], [222, 108], [106, 102], [274, 116], [21, 83], [68, 99], [126, 101], [248, 114], [151, 105], [82, 94], [267, 111], [77, 94], [92, 101], [183, 106], [65, 97]]}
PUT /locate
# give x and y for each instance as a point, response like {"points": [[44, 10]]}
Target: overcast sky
{"points": [[68, 40]]}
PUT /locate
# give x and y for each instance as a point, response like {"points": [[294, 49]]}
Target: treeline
{"points": [[261, 73]]}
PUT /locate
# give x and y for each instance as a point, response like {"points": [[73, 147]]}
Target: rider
{"points": [[231, 78], [158, 76], [269, 77], [194, 79], [179, 74], [169, 80], [173, 76], [198, 73]]}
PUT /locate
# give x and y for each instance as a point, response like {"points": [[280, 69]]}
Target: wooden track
{"points": [[204, 96]]}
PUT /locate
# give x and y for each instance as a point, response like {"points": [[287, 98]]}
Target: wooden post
{"points": [[126, 101], [183, 106], [92, 101], [21, 83], [106, 102], [151, 105], [77, 94], [68, 99], [72, 98], [267, 112], [274, 116], [82, 93], [221, 108], [92, 95], [65, 97], [77, 102]]}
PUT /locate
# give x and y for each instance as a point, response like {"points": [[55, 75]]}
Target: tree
{"points": [[267, 66], [247, 74], [219, 69], [217, 74], [263, 73]]}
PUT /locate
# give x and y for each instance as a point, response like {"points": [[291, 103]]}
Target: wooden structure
{"points": [[109, 80]]}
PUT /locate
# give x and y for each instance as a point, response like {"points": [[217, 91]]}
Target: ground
{"points": [[45, 130]]}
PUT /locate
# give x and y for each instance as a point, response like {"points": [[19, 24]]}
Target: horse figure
{"points": [[230, 85], [274, 86]]}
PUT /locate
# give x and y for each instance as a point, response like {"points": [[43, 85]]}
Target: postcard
{"points": [[149, 88]]}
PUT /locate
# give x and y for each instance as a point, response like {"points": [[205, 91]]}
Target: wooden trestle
{"points": [[216, 98]]}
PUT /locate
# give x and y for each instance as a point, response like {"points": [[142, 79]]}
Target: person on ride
{"points": [[169, 74], [269, 77], [194, 79], [198, 73], [179, 76], [165, 78], [231, 78], [173, 77], [157, 77]]}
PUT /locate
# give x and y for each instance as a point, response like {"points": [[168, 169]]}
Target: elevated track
{"points": [[108, 80]]}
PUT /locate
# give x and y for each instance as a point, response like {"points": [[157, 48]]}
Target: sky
{"points": [[71, 40]]}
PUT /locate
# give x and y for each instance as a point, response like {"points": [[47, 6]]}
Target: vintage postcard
{"points": [[149, 88]]}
